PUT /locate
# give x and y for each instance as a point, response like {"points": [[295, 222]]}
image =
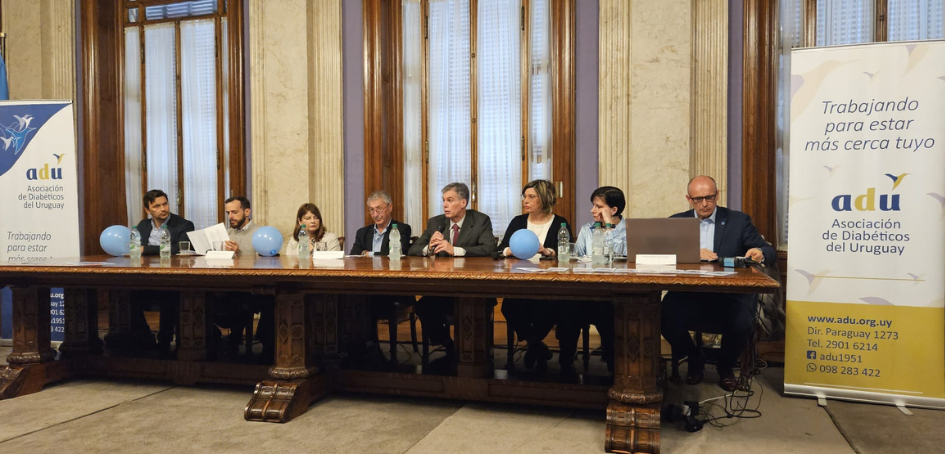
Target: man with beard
{"points": [[241, 226]]}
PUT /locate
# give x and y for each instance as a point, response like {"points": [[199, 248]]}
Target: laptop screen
{"points": [[679, 236]]}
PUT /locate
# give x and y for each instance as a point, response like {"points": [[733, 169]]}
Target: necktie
{"points": [[455, 234]]}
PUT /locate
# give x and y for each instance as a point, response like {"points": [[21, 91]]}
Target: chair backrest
{"points": [[341, 241], [413, 240]]}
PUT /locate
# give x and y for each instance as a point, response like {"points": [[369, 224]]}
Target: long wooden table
{"points": [[322, 322]]}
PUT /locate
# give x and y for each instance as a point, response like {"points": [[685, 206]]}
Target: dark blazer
{"points": [[364, 239], [176, 225], [475, 237], [551, 239], [735, 234]]}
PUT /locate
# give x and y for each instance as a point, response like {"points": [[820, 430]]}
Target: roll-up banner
{"points": [[39, 215], [866, 241]]}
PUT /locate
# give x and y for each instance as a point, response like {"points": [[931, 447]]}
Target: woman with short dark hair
{"points": [[310, 218]]}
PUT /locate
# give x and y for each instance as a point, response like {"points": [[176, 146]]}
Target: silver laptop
{"points": [[679, 236]]}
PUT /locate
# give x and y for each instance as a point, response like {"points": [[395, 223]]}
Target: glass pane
{"points": [[912, 20], [413, 147], [539, 91], [499, 120], [133, 15], [132, 93], [161, 109], [182, 9], [199, 110], [449, 97], [844, 22]]}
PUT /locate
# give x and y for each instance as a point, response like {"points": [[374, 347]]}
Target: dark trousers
{"points": [[732, 316], [234, 311], [168, 303], [433, 312], [532, 320], [574, 315]]}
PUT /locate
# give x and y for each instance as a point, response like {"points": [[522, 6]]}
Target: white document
{"points": [[203, 239]]}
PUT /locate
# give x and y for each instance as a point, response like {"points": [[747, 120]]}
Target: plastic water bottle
{"points": [[395, 248], [165, 242], [597, 244], [303, 244], [564, 244], [134, 243], [609, 245]]}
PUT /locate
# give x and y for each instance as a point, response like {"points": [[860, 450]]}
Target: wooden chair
{"points": [[399, 311]]}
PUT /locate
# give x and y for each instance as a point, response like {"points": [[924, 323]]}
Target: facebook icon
{"points": [[811, 354]]}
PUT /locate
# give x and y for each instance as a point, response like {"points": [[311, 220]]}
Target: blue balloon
{"points": [[115, 239], [524, 244], [267, 241]]}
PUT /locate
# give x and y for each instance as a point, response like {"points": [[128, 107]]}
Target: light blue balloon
{"points": [[524, 244], [114, 240], [267, 241]]}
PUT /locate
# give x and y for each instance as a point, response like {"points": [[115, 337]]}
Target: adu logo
{"points": [[45, 173], [867, 201]]}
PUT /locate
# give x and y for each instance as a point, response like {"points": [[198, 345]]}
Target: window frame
{"points": [[383, 102]]}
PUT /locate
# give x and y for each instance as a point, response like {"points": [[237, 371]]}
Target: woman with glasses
{"points": [[310, 219], [532, 320]]}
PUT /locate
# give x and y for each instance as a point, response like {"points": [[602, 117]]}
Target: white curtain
{"points": [[539, 96], [449, 99], [413, 145], [161, 105], [133, 193], [844, 22], [499, 119], [199, 102], [911, 20]]}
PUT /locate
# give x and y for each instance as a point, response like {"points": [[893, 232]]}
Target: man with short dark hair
{"points": [[241, 227], [723, 233], [157, 207]]}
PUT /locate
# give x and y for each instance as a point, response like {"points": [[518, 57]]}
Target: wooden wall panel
{"points": [[102, 171], [758, 141]]}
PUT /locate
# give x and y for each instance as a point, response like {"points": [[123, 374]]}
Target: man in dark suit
{"points": [[458, 232], [723, 233], [374, 239], [157, 207]]}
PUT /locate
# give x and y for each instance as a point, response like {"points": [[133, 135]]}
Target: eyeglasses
{"points": [[378, 210], [709, 198]]}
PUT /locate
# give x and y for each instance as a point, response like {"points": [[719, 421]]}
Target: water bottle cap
{"points": [[564, 224]]}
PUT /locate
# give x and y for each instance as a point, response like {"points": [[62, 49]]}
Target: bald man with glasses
{"points": [[722, 233]]}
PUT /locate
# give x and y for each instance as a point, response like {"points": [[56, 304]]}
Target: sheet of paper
{"points": [[203, 239]]}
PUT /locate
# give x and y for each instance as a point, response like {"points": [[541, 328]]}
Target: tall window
{"points": [[838, 22], [175, 104], [477, 102]]}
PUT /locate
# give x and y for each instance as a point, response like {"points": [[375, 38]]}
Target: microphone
{"points": [[441, 229]]}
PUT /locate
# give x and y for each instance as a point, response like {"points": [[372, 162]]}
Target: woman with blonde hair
{"points": [[531, 319]]}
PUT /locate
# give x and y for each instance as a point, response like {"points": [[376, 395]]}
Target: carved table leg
{"points": [[633, 415], [194, 325], [81, 313], [31, 363], [119, 338], [474, 337], [294, 383]]}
